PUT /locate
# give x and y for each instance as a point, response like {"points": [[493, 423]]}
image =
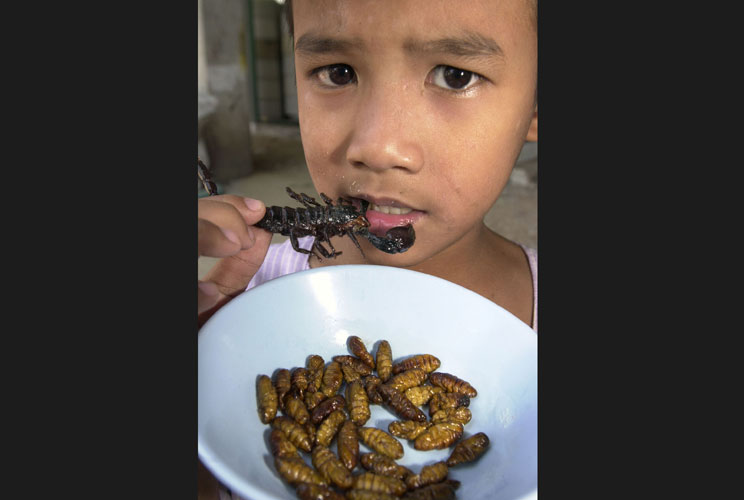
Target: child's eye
{"points": [[452, 78], [335, 75]]}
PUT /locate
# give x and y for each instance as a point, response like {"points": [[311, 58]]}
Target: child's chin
{"points": [[380, 258]]}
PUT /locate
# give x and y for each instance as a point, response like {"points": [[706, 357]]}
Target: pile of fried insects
{"points": [[315, 411]]}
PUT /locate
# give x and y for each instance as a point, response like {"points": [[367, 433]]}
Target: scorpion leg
{"points": [[353, 238], [326, 199], [303, 198], [320, 248], [333, 250], [308, 199], [296, 244]]}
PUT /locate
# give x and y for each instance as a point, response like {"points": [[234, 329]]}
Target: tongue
{"points": [[381, 223]]}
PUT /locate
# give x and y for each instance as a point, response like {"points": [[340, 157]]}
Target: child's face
{"points": [[419, 105]]}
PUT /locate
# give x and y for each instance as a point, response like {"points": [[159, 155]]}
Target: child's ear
{"points": [[532, 132]]}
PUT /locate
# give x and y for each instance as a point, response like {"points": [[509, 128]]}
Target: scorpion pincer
{"points": [[324, 222]]}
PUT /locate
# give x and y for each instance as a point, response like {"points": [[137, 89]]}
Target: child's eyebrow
{"points": [[470, 44], [314, 44]]}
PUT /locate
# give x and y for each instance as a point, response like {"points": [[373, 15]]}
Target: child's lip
{"points": [[384, 201]]}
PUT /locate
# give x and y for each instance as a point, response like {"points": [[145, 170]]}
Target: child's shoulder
{"points": [[531, 254], [508, 277]]}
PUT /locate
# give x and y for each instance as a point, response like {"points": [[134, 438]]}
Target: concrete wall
{"points": [[267, 50], [227, 131], [288, 75]]}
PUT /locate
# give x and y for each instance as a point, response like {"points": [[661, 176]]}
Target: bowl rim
{"points": [[336, 269]]}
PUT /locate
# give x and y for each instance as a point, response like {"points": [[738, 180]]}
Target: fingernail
{"points": [[230, 235], [252, 204], [208, 288]]}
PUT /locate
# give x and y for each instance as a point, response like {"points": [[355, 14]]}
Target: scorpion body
{"points": [[316, 220], [323, 222]]}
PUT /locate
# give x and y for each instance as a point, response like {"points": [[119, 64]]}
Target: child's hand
{"points": [[225, 225]]}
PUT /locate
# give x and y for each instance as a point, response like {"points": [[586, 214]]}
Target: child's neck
{"points": [[489, 265]]}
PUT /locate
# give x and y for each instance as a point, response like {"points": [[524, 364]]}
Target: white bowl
{"points": [[280, 323]]}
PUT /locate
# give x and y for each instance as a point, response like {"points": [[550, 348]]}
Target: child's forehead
{"points": [[418, 18]]}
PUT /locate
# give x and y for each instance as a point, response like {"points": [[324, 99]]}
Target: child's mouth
{"points": [[384, 215]]}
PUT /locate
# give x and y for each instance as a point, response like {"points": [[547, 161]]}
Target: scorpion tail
{"points": [[396, 240]]}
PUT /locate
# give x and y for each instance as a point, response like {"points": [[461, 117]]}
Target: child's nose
{"points": [[386, 134]]}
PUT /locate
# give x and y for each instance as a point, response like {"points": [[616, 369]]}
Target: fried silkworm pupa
{"points": [[377, 482], [330, 467], [268, 401], [407, 379], [437, 491], [357, 364], [452, 384], [313, 399], [300, 381], [281, 446], [426, 362], [439, 436], [311, 431], [369, 495], [350, 374], [296, 433], [384, 466], [381, 442], [407, 429], [329, 427], [444, 400], [295, 470], [358, 349], [326, 407], [459, 414], [282, 383], [370, 385], [348, 445], [384, 360], [429, 474], [421, 394], [315, 367], [295, 408], [400, 404], [332, 379], [356, 398], [469, 450], [453, 483], [310, 491]]}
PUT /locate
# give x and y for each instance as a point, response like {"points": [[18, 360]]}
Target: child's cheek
{"points": [[317, 131]]}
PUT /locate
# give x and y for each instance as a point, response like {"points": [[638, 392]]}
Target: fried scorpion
{"points": [[322, 222]]}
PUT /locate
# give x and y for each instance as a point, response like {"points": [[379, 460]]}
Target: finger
{"points": [[234, 212], [227, 216], [215, 241], [208, 295], [232, 274]]}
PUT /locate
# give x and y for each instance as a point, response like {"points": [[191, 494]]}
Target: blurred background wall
{"points": [[248, 123]]}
